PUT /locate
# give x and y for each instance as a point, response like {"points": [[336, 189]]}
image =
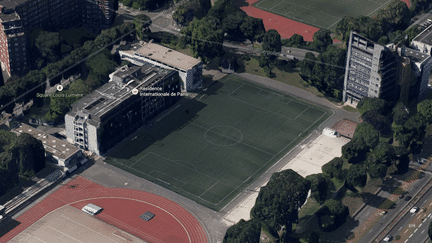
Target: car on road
{"points": [[414, 210], [401, 196], [408, 198], [388, 238]]}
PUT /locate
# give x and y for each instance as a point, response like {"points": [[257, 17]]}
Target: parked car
{"points": [[388, 238], [414, 210], [401, 196]]}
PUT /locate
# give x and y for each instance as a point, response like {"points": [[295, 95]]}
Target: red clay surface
{"points": [[122, 208], [285, 27], [345, 127]]}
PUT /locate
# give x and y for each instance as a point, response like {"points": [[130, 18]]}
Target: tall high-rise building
{"points": [[371, 70], [389, 72], [19, 17]]}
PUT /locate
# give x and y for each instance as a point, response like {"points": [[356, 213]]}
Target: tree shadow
{"points": [[6, 225], [342, 233], [372, 199]]}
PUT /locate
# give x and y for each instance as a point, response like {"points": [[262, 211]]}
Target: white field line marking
{"points": [[64, 234]]}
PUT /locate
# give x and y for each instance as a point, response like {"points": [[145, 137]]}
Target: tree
{"points": [[278, 202], [272, 41], [402, 159], [355, 150], [295, 40], [307, 65], [411, 133], [322, 39], [142, 23], [395, 15], [228, 61], [252, 28], [314, 237], [186, 12], [384, 153], [356, 176], [378, 121], [319, 185], [377, 104], [47, 44], [400, 116], [206, 38], [424, 109], [375, 168], [334, 168], [244, 231], [368, 134], [29, 152]]}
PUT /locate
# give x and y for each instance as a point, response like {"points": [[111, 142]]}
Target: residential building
{"points": [[189, 68], [413, 73], [423, 41], [108, 115], [19, 17], [371, 70]]}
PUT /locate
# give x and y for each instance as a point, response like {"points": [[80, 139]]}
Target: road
{"points": [[162, 21], [412, 220], [421, 18]]}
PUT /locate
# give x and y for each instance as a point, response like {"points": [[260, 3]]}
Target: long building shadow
{"points": [[175, 121]]}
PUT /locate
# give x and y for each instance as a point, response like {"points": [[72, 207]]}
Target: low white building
{"points": [[189, 68], [57, 151]]}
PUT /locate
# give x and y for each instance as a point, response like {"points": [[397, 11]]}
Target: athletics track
{"points": [[122, 208]]}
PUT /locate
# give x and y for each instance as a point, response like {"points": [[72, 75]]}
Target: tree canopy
{"points": [[368, 134], [186, 12], [356, 176], [378, 121], [205, 38], [424, 109], [319, 186], [334, 168], [278, 202], [244, 231], [322, 39], [377, 104], [272, 41]]}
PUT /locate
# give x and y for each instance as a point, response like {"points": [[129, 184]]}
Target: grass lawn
{"points": [[292, 78], [215, 145], [349, 108]]}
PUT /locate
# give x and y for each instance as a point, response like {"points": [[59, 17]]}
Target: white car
{"points": [[388, 238], [414, 210]]}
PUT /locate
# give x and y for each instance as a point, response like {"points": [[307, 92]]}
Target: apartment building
{"points": [[19, 17], [108, 115], [371, 70], [189, 68]]}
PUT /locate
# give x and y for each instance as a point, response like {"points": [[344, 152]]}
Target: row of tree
{"points": [[395, 16], [16, 86], [19, 156], [144, 4]]}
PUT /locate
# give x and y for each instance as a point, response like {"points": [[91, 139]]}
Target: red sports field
{"points": [[121, 208], [285, 27]]}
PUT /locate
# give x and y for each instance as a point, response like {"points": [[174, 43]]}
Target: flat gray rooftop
{"points": [[112, 94], [425, 36], [162, 54], [415, 55]]}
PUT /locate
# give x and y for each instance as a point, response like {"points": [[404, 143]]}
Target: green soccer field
{"points": [[321, 13], [216, 144]]}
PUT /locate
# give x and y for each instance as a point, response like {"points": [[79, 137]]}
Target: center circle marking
{"points": [[235, 135]]}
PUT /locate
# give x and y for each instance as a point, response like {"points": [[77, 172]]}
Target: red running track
{"points": [[285, 27], [122, 208]]}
